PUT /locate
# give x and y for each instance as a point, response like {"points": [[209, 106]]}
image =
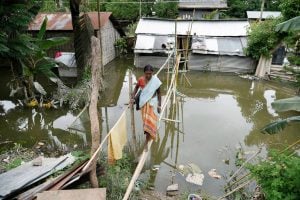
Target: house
{"points": [[215, 45], [202, 8], [60, 24], [255, 15]]}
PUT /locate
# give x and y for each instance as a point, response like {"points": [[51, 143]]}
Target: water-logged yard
{"points": [[219, 114]]}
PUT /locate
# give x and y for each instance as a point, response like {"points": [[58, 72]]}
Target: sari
{"points": [[148, 104]]}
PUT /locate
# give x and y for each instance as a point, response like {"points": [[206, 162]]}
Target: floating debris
{"points": [[213, 173], [195, 178], [172, 190], [155, 167], [194, 197]]}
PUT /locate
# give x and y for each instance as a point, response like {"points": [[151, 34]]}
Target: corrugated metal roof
{"points": [[266, 14], [63, 21], [227, 28], [213, 4]]}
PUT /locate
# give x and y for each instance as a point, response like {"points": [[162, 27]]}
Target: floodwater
{"points": [[217, 114]]}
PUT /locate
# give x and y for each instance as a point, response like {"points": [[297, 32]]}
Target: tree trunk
{"points": [[93, 109], [75, 12]]}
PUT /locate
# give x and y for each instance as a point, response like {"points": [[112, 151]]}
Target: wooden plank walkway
{"points": [[78, 194]]}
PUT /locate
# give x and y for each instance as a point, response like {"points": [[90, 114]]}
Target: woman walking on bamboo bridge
{"points": [[147, 97]]}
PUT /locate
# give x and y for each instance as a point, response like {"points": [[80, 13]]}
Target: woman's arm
{"points": [[159, 100], [134, 91]]}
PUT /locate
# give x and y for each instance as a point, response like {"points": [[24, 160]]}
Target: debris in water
{"points": [[226, 161], [247, 76], [213, 173], [195, 178], [172, 190], [194, 197], [189, 168], [155, 167]]}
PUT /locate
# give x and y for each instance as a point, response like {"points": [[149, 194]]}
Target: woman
{"points": [[149, 99]]}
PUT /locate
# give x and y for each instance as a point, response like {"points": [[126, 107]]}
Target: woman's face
{"points": [[148, 74]]}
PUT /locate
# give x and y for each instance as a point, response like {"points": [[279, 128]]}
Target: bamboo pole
{"points": [[131, 108], [149, 143], [237, 171]]}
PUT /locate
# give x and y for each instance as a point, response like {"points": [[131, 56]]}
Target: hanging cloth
{"points": [[117, 139]]}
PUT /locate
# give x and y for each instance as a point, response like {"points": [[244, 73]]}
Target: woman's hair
{"points": [[148, 68]]}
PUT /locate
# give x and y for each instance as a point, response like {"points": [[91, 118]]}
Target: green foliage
{"points": [[294, 60], [121, 45], [262, 38], [238, 8], [166, 10], [289, 25], [278, 176], [211, 15], [13, 164], [290, 9], [287, 104], [128, 11], [38, 62], [14, 20], [130, 32], [281, 106], [117, 177], [279, 125]]}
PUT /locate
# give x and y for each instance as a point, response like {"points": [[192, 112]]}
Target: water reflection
{"points": [[220, 112]]}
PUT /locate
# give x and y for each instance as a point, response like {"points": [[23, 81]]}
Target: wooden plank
{"points": [[86, 194]]}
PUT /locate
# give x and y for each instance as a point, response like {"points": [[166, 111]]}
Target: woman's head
{"points": [[148, 71]]}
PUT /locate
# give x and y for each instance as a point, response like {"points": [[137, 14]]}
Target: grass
{"points": [[117, 177]]}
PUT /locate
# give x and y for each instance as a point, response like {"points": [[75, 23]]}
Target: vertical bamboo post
{"points": [[131, 108], [99, 36]]}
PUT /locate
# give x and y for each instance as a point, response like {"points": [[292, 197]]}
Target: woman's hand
{"points": [[158, 109], [132, 101]]}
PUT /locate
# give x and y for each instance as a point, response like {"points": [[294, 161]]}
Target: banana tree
{"points": [[38, 62], [282, 105]]}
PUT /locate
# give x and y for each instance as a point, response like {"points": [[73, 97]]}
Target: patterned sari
{"points": [[148, 104]]}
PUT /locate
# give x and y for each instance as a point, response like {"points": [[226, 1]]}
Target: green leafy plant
{"points": [[121, 45], [38, 62], [262, 39], [166, 9], [283, 105], [278, 176], [117, 177], [131, 30], [211, 15]]}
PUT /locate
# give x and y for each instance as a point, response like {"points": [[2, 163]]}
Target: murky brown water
{"points": [[219, 113]]}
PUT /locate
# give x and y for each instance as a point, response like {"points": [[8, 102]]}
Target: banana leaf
{"points": [[287, 104], [289, 25], [279, 125], [43, 29], [52, 42]]}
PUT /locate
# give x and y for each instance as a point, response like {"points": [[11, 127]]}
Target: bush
{"points": [[278, 176], [166, 10], [263, 38]]}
